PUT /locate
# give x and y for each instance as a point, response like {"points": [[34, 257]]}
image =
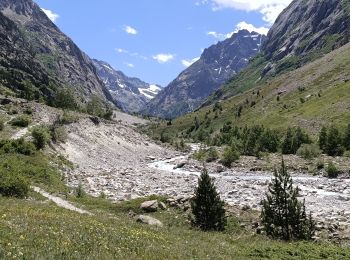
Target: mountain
{"points": [[37, 57], [132, 94], [292, 82], [303, 32], [216, 65]]}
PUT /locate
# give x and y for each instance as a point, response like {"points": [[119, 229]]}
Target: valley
{"points": [[244, 155]]}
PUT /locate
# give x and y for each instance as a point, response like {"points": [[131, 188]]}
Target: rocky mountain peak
{"points": [[131, 93], [217, 64]]}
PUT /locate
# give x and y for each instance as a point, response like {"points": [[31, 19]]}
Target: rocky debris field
{"points": [[114, 159]]}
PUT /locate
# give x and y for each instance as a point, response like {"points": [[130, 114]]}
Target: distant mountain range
{"points": [[132, 94], [216, 66]]}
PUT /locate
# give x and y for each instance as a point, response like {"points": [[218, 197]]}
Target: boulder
{"points": [[150, 206], [149, 221]]}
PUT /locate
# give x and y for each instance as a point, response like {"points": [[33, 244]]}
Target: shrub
{"points": [[19, 146], [283, 215], [200, 154], [59, 134], [13, 185], [80, 192], [65, 99], [21, 121], [207, 207], [229, 156], [212, 155], [347, 154], [41, 136], [308, 151], [67, 118], [332, 171]]}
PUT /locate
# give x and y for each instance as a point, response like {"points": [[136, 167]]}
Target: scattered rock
{"points": [[180, 165], [162, 206], [149, 221], [150, 206]]}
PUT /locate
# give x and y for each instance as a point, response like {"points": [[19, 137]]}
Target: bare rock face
{"points": [[37, 51], [149, 221], [307, 26], [215, 67]]}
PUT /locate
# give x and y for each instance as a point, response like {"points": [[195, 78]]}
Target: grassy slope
{"points": [[38, 230], [326, 95]]}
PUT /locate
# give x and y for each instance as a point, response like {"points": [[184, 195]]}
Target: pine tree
{"points": [[288, 142], [283, 216], [347, 138], [322, 140], [207, 207], [334, 142]]}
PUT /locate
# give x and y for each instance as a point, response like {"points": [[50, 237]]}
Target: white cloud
{"points": [[188, 63], [251, 28], [120, 50], [130, 65], [219, 36], [52, 16], [163, 58], [270, 9], [130, 30]]}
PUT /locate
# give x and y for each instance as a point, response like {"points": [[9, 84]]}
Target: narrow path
{"points": [[60, 202]]}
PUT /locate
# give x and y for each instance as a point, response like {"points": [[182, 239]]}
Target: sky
{"points": [[155, 40]]}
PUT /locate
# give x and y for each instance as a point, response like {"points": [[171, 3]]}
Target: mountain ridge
{"points": [[217, 64], [131, 93], [64, 64]]}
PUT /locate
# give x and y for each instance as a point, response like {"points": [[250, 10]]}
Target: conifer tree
{"points": [[288, 142], [347, 138], [283, 216], [322, 140], [334, 142], [207, 207]]}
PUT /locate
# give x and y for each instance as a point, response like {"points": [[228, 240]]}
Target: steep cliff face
{"points": [[306, 30], [132, 94], [57, 58], [217, 64]]}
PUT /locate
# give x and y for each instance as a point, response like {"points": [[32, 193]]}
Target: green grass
{"points": [[37, 230]]}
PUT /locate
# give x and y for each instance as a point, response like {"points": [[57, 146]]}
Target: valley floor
{"points": [[114, 159]]}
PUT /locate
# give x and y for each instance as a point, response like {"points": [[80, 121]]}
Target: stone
{"points": [[162, 206], [149, 221], [150, 206], [180, 165]]}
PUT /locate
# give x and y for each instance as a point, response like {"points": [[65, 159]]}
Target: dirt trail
{"points": [[60, 202]]}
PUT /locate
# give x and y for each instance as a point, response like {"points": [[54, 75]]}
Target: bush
{"points": [[13, 185], [309, 151], [212, 155], [21, 121], [58, 134], [207, 207], [283, 215], [19, 146], [41, 136], [65, 99], [229, 156], [347, 154], [67, 118], [332, 171], [80, 192]]}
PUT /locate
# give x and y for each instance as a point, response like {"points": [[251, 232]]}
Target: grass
{"points": [[38, 230]]}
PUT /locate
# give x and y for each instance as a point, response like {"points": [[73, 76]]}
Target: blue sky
{"points": [[156, 39]]}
